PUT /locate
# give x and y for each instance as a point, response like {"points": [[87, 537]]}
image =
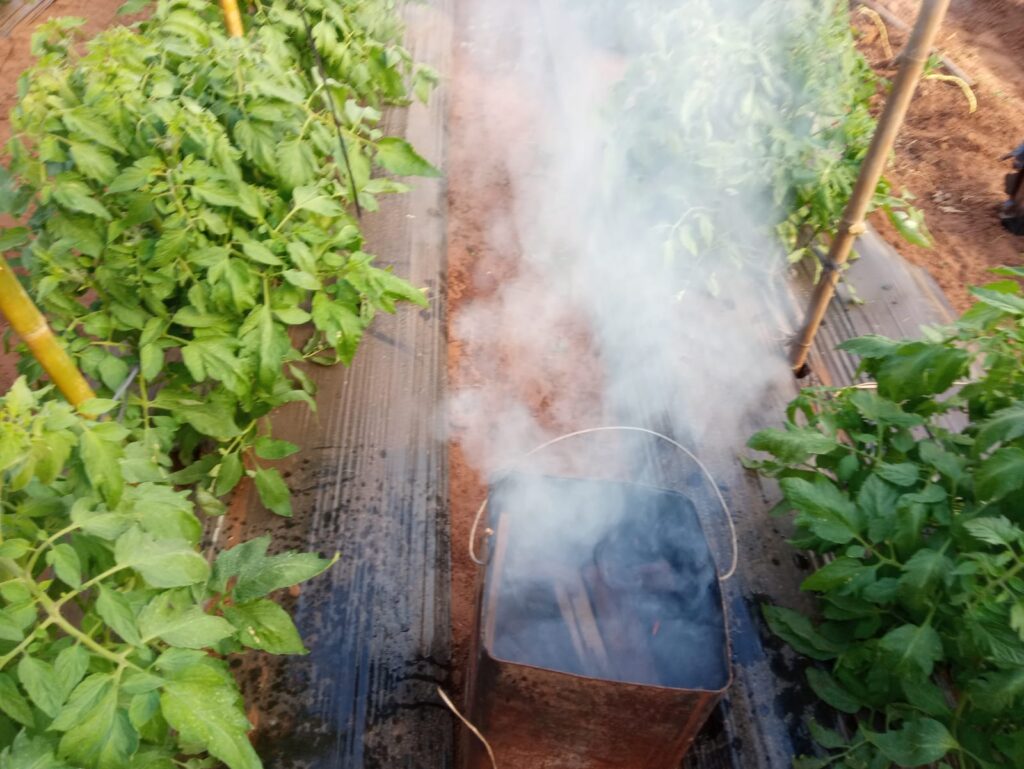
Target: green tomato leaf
{"points": [[162, 563], [259, 574], [823, 509], [102, 736], [201, 701], [796, 630], [273, 491], [229, 473], [172, 618], [13, 704], [912, 649], [13, 237], [793, 445], [1000, 474], [398, 157], [115, 610], [41, 682], [262, 624], [268, 448], [919, 742], [830, 691], [93, 162], [66, 565]]}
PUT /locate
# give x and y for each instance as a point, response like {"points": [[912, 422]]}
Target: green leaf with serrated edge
{"points": [[835, 574], [13, 704], [32, 752], [259, 574], [927, 697], [1000, 474], [273, 491], [901, 474], [825, 737], [41, 683], [823, 508], [917, 743], [293, 316], [1003, 426], [13, 237], [995, 531], [925, 569], [1000, 300], [104, 738], [912, 649], [229, 472], [66, 565], [398, 157], [877, 409], [70, 668], [172, 618], [311, 199], [995, 692], [259, 253], [209, 504], [201, 701], [162, 563], [115, 610], [796, 630], [93, 162], [919, 369], [829, 690], [792, 446], [142, 708], [268, 448], [262, 624], [101, 458]]}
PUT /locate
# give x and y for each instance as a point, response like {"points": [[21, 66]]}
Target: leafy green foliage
{"points": [[112, 624], [922, 524], [764, 118], [190, 230]]}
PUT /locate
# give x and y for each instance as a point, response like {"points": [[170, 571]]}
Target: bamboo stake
{"points": [[912, 64], [232, 17], [31, 326]]}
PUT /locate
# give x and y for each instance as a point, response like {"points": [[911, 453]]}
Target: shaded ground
{"points": [[948, 157]]}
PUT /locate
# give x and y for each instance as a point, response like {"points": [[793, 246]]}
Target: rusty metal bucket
{"points": [[601, 637]]}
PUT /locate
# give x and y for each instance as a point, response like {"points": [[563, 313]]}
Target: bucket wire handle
{"points": [[707, 474]]}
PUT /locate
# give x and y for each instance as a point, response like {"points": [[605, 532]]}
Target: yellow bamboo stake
{"points": [[913, 60], [31, 326], [232, 17]]}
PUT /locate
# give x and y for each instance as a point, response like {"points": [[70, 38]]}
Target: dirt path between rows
{"points": [[948, 157]]}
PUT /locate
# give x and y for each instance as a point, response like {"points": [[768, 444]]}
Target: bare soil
{"points": [[948, 157]]}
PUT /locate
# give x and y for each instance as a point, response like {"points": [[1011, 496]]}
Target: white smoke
{"points": [[613, 278]]}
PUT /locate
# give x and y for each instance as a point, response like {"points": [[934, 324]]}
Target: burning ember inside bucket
{"points": [[601, 628]]}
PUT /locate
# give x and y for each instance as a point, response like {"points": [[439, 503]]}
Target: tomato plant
{"points": [[190, 229], [750, 119], [108, 610], [921, 637]]}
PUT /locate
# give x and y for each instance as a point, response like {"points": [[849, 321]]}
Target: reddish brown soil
{"points": [[948, 157], [15, 58], [555, 376]]}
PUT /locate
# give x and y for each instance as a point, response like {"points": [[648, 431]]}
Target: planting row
{"points": [[189, 225], [913, 489]]}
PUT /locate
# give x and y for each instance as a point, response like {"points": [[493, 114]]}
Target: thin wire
{"points": [[707, 474], [479, 736]]}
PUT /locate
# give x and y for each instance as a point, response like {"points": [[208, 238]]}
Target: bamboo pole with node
{"points": [[29, 324], [232, 17], [912, 63]]}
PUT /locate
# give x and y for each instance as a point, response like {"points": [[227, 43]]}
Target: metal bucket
{"points": [[601, 638]]}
